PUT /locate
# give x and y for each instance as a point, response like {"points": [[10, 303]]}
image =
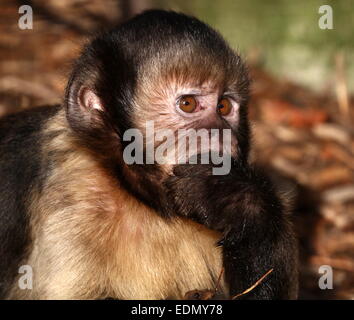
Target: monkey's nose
{"points": [[211, 119]]}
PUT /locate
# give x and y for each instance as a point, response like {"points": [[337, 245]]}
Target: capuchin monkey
{"points": [[92, 226]]}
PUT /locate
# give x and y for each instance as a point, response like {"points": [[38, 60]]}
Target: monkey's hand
{"points": [[257, 233]]}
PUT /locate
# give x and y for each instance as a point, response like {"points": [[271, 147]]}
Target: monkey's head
{"points": [[160, 66]]}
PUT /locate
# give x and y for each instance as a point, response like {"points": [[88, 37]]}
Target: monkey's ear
{"points": [[85, 110], [88, 100]]}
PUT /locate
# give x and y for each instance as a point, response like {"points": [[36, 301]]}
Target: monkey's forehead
{"points": [[191, 66], [186, 71]]}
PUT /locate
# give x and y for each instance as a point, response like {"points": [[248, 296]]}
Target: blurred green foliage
{"points": [[283, 34]]}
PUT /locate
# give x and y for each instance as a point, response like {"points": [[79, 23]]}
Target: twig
{"points": [[253, 286], [218, 281]]}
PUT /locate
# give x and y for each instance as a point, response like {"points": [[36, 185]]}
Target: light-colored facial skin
{"points": [[207, 98], [160, 103]]}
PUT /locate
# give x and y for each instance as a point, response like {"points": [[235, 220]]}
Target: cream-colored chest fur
{"points": [[97, 247]]}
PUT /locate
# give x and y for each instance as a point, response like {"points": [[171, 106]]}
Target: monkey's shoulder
{"points": [[20, 146], [19, 170], [20, 150]]}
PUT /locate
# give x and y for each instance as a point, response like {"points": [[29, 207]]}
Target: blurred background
{"points": [[301, 109]]}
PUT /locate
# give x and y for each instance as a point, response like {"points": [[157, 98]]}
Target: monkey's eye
{"points": [[187, 104], [224, 107]]}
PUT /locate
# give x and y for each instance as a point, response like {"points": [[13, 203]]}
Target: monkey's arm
{"points": [[257, 233]]}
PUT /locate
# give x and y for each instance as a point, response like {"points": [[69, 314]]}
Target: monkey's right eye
{"points": [[187, 104]]}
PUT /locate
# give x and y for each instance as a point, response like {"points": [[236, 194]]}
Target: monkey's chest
{"points": [[168, 261]]}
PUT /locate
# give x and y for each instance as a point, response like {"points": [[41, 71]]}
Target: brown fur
{"points": [[91, 239]]}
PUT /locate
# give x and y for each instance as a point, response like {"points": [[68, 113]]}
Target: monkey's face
{"points": [[198, 91]]}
